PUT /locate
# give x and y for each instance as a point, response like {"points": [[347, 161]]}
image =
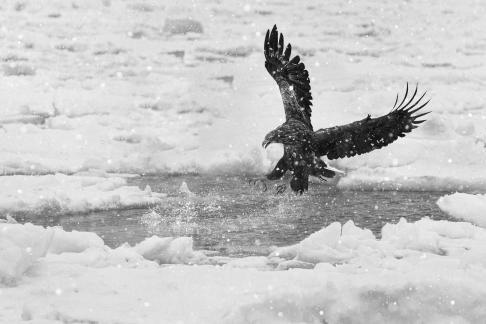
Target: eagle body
{"points": [[299, 155], [304, 147]]}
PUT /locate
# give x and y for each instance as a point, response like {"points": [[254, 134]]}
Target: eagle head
{"points": [[272, 137], [282, 135]]}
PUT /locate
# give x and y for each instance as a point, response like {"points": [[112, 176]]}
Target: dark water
{"points": [[228, 215]]}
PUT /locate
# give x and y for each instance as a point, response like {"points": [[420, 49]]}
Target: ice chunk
{"points": [[61, 193], [74, 241], [169, 250], [20, 247], [182, 26], [254, 262], [469, 207], [334, 244], [18, 70], [292, 264], [184, 189]]}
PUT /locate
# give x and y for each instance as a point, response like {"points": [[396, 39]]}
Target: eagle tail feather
{"points": [[320, 170]]}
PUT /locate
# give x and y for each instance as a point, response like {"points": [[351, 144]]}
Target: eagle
{"points": [[304, 147]]}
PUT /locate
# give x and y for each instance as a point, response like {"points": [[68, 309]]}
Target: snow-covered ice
{"points": [[181, 86], [464, 206], [62, 194], [423, 272]]}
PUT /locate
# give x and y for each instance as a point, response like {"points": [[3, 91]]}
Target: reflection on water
{"points": [[228, 215]]}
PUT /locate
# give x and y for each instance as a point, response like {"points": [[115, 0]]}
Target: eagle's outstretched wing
{"points": [[291, 76], [370, 133]]}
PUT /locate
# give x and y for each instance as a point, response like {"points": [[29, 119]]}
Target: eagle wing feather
{"points": [[370, 133], [291, 76]]}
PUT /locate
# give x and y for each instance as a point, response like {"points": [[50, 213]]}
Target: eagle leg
{"points": [[279, 170], [277, 173], [300, 180]]}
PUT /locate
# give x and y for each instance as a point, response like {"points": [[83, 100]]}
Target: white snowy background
{"points": [[95, 91]]}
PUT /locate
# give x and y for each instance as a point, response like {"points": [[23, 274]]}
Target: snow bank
{"points": [[471, 208], [70, 194], [422, 272]]}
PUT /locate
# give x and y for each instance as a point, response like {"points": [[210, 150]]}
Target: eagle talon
{"points": [[280, 189], [255, 182]]}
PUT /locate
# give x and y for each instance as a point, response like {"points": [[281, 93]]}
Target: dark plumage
{"points": [[302, 146]]}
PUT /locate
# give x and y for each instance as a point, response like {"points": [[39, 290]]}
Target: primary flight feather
{"points": [[303, 146]]}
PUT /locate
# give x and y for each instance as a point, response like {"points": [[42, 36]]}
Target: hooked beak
{"points": [[265, 143]]}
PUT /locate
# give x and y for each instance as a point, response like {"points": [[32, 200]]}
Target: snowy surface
{"points": [[181, 86], [468, 207], [144, 87], [423, 272], [61, 194]]}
